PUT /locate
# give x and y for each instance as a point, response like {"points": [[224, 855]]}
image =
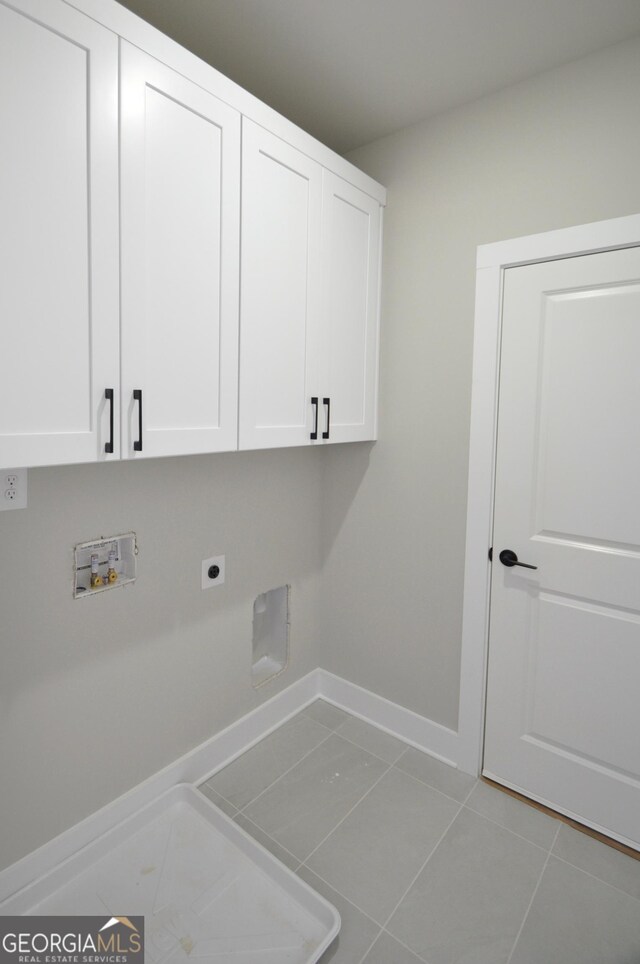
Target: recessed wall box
{"points": [[115, 564], [270, 635]]}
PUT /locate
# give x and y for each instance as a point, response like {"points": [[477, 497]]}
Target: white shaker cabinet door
{"points": [[280, 291], [351, 223], [180, 211], [59, 235]]}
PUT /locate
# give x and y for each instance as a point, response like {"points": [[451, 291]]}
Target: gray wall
{"points": [[98, 693], [561, 149]]}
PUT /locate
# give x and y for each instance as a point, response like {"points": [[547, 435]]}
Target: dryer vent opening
{"points": [[270, 634]]}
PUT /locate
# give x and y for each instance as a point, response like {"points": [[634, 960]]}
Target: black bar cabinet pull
{"points": [[108, 446], [314, 402], [137, 397], [508, 558], [327, 402]]}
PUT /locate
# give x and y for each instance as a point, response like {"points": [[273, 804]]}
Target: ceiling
{"points": [[350, 71]]}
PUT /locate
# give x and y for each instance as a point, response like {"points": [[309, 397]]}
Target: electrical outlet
{"points": [[13, 486], [212, 572]]}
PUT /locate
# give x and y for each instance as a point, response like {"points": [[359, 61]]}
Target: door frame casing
{"points": [[492, 260]]}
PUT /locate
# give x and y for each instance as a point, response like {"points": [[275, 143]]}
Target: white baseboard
{"points": [[200, 763], [424, 734], [193, 767]]}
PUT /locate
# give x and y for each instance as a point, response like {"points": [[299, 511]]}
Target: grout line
{"points": [[347, 900], [281, 775], [367, 750], [364, 957], [330, 732], [326, 725], [382, 931], [356, 804], [497, 823], [221, 795], [535, 891], [350, 716], [600, 880], [404, 752], [465, 804], [267, 735], [388, 765], [571, 822], [471, 789], [431, 785], [406, 946], [351, 904], [424, 783], [269, 837], [423, 865]]}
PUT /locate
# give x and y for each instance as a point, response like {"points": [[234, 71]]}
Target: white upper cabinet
{"points": [[280, 291], [59, 237], [180, 210], [137, 318], [309, 302], [351, 223]]}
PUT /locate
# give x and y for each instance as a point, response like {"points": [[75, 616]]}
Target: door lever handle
{"points": [[508, 558]]}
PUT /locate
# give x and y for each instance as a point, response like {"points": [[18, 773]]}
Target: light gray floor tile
{"points": [[357, 932], [513, 814], [326, 713], [468, 903], [307, 803], [576, 919], [267, 842], [596, 858], [255, 770], [375, 853], [370, 738], [386, 950], [436, 774], [219, 801]]}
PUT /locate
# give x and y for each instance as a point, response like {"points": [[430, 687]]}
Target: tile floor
{"points": [[426, 864]]}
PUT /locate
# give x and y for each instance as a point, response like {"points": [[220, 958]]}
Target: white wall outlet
{"points": [[212, 572], [13, 489]]}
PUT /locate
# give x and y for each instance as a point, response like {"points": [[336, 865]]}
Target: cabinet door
{"points": [[180, 211], [280, 289], [351, 223], [59, 237]]}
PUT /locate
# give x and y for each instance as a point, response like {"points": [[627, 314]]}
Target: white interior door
{"points": [[59, 236], [350, 254], [280, 291], [180, 213], [563, 710]]}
